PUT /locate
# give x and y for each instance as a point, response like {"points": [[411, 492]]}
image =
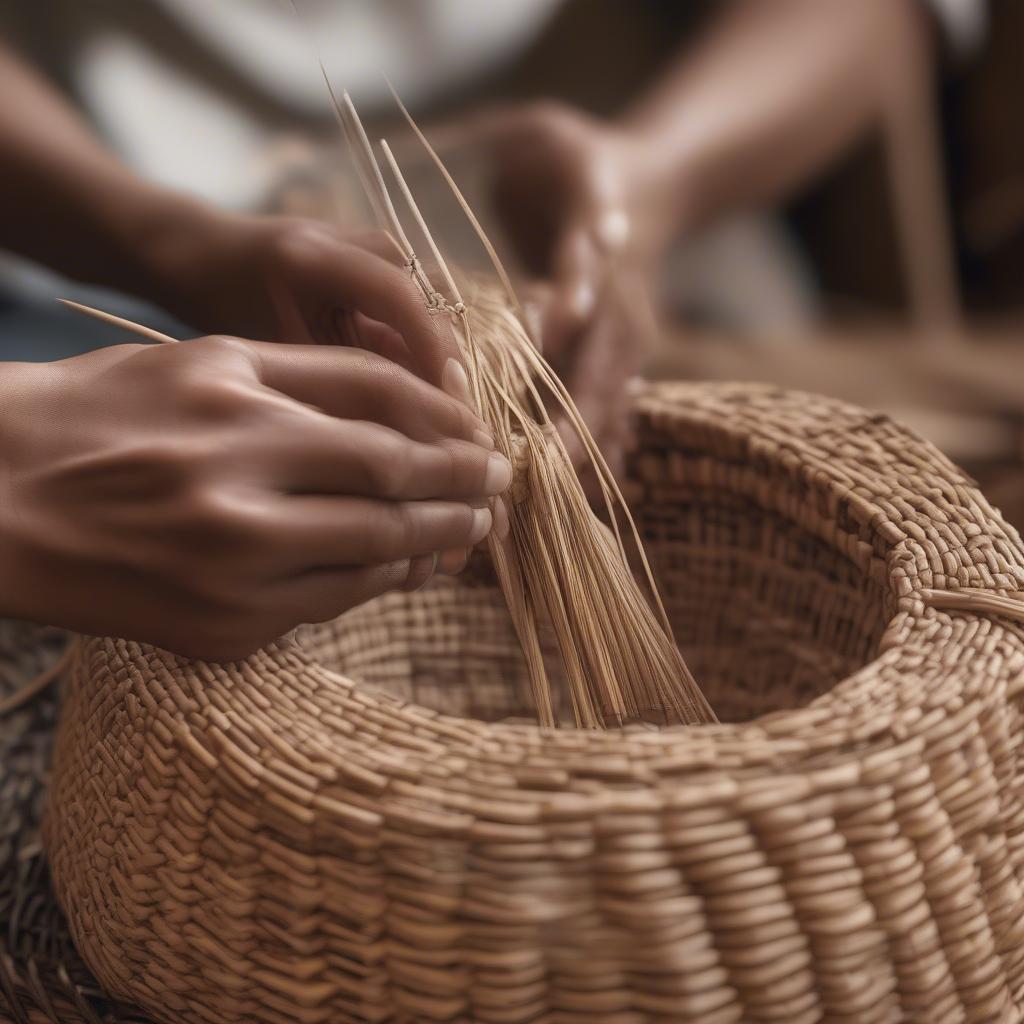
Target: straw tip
{"points": [[78, 307]]}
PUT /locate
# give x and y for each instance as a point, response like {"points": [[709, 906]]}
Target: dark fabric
{"points": [[42, 978]]}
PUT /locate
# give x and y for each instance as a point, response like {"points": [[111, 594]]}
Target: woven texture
{"points": [[42, 977], [358, 824]]}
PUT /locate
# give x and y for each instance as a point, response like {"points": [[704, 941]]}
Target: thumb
{"points": [[574, 289]]}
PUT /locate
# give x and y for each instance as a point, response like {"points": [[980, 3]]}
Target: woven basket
{"points": [[349, 827]]}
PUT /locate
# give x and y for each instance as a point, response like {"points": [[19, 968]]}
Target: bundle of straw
{"points": [[560, 564]]}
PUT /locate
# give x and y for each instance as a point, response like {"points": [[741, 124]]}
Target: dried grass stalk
{"points": [[560, 564]]}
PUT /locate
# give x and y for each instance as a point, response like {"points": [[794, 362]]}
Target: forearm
{"points": [[773, 93], [67, 201]]}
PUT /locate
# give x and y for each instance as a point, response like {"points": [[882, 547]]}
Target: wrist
{"points": [[123, 222], [170, 236], [203, 265]]}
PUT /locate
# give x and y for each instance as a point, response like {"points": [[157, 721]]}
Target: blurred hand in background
{"points": [[735, 122]]}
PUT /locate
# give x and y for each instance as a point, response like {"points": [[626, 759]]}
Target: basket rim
{"points": [[844, 713], [283, 762]]}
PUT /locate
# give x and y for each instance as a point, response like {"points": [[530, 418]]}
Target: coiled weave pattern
{"points": [[270, 841]]}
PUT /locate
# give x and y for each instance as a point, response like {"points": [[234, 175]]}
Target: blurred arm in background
{"points": [[70, 204], [67, 202], [766, 99], [771, 95]]}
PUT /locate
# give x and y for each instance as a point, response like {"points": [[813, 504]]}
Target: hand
{"points": [[578, 203], [209, 496], [299, 281], [574, 196], [597, 367]]}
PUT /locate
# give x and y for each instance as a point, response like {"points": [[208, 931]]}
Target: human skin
{"points": [[211, 495], [768, 96], [736, 122], [764, 100]]}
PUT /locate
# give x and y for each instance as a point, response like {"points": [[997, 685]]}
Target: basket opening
{"points": [[768, 616]]}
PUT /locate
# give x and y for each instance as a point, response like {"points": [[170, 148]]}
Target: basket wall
{"points": [[270, 841]]}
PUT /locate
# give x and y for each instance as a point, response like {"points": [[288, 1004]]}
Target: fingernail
{"points": [[482, 438], [482, 522], [498, 475], [452, 561], [582, 299], [613, 229], [501, 523], [455, 382]]}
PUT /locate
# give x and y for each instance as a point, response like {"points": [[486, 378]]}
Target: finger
{"points": [[361, 332], [502, 525], [481, 127], [319, 532], [355, 384], [345, 326], [574, 294], [319, 595], [453, 561], [384, 245], [381, 243], [334, 273], [421, 571], [593, 379], [367, 459]]}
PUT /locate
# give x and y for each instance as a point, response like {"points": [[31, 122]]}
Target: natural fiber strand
{"points": [[363, 824], [972, 600], [119, 321], [292, 839], [560, 565], [600, 613]]}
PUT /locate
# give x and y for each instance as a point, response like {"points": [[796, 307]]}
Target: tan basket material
{"points": [[345, 827]]}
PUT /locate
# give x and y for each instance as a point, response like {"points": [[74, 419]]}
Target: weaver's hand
{"points": [[299, 281], [571, 193], [209, 496], [597, 366]]}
